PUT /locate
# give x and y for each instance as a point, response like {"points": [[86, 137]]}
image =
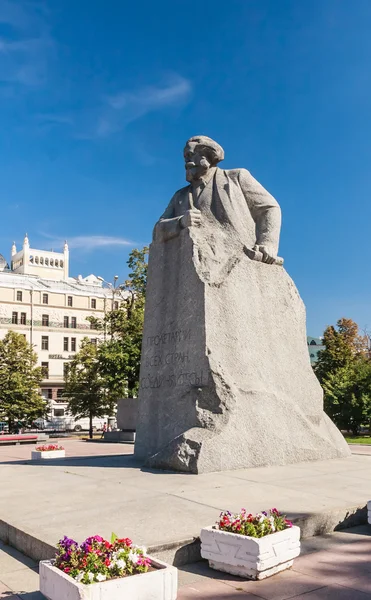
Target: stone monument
{"points": [[226, 381]]}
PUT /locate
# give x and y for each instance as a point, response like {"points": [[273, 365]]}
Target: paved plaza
{"points": [[100, 488], [332, 567]]}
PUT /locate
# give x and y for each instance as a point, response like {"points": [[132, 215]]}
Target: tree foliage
{"points": [[119, 355], [85, 388], [20, 378], [344, 371]]}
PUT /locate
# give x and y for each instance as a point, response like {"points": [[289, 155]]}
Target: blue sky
{"points": [[98, 97]]}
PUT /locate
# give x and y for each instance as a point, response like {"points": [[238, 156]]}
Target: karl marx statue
{"points": [[233, 198], [225, 377]]}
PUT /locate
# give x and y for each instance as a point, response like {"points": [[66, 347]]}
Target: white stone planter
{"points": [[41, 455], [161, 584], [369, 512], [254, 558]]}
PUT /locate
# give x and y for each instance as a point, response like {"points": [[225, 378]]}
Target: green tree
{"points": [[20, 379], [119, 356], [344, 371], [85, 388]]}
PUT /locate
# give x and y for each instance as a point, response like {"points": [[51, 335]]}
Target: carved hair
{"points": [[212, 150]]}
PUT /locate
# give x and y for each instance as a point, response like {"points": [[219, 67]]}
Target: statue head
{"points": [[200, 154]]}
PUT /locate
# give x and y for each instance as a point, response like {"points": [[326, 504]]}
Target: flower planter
{"points": [[46, 454], [250, 557], [160, 584]]}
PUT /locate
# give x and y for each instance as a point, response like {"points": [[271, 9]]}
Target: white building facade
{"points": [[39, 300]]}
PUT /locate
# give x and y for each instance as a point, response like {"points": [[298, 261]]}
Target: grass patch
{"points": [[363, 439]]}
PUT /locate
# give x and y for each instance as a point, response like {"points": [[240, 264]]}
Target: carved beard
{"points": [[194, 171]]}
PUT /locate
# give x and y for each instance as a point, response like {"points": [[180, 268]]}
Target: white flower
{"points": [[101, 577], [271, 520], [80, 576], [91, 576], [261, 517], [133, 557], [142, 550], [112, 565], [121, 564]]}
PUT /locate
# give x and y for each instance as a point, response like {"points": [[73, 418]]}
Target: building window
{"points": [[45, 370], [45, 299], [14, 318], [45, 320], [66, 322], [41, 260], [93, 303], [36, 260], [93, 341], [19, 296], [59, 412], [61, 263], [69, 300], [73, 322], [23, 319], [56, 262], [73, 344], [65, 344], [46, 262], [313, 343], [45, 342], [115, 305], [52, 262], [92, 325], [50, 393], [59, 394]]}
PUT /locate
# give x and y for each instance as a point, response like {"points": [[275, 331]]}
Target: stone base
{"points": [[47, 454], [249, 573], [119, 436], [252, 558], [226, 381], [160, 584]]}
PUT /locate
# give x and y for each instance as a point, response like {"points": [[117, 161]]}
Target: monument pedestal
{"points": [[226, 381]]}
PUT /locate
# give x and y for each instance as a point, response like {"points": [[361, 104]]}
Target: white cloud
{"points": [[24, 57], [89, 242], [127, 106]]}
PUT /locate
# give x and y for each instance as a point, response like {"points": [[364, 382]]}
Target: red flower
{"points": [[67, 570], [107, 562], [125, 541], [108, 545]]}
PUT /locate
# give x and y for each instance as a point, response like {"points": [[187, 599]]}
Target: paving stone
{"points": [[332, 567], [213, 590], [12, 560], [334, 592], [280, 587], [21, 582]]}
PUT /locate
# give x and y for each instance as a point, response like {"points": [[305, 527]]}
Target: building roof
{"points": [[74, 286]]}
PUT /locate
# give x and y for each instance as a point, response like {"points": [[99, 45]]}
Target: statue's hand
{"points": [[269, 254], [191, 218]]}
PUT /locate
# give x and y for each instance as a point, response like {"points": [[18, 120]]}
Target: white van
{"points": [[68, 423]]}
